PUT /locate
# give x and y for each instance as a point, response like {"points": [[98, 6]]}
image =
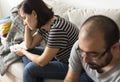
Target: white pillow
{"points": [[59, 7], [78, 16]]}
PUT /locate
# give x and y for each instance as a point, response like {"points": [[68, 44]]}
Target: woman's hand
{"points": [[19, 51]]}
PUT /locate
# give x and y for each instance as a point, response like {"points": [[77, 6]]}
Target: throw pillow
{"points": [[78, 16], [5, 24], [59, 7], [5, 28]]}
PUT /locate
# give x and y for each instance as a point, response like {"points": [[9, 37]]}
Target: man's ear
{"points": [[34, 14], [115, 47]]}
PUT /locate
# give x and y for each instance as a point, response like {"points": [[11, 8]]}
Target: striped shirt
{"points": [[63, 35]]}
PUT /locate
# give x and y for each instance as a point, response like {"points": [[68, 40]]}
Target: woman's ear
{"points": [[34, 14]]}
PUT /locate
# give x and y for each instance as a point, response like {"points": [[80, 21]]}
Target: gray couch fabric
{"points": [[15, 36]]}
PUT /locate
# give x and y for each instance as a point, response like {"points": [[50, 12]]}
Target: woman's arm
{"points": [[31, 40], [42, 59]]}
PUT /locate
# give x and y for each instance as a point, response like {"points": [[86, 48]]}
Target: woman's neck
{"points": [[48, 24]]}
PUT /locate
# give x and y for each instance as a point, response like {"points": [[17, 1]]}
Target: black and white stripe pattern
{"points": [[63, 35]]}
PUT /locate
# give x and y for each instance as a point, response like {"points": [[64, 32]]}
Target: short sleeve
{"points": [[74, 60]]}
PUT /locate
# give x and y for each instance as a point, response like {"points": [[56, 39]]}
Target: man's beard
{"points": [[105, 63]]}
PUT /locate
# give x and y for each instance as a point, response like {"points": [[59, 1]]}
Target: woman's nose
{"points": [[24, 23]]}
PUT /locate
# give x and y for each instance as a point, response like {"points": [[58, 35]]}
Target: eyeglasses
{"points": [[94, 56]]}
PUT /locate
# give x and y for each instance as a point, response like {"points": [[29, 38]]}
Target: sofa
{"points": [[76, 15]]}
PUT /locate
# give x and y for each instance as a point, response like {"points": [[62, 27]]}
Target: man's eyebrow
{"points": [[87, 51]]}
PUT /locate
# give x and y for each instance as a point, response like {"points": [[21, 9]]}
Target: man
{"points": [[97, 51]]}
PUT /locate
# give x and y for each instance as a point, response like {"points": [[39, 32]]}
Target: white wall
{"points": [[0, 10], [6, 5], [5, 8]]}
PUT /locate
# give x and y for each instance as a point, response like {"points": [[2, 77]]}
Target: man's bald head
{"points": [[101, 24]]}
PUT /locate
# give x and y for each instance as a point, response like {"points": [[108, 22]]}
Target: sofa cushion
{"points": [[59, 7], [16, 69], [78, 16], [16, 72]]}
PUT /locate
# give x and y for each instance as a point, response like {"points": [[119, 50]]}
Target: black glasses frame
{"points": [[99, 56]]}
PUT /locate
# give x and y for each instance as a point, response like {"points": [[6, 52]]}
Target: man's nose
{"points": [[85, 58]]}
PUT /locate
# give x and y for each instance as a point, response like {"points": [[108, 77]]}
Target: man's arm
{"points": [[72, 76]]}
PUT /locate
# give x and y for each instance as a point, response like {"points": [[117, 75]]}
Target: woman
{"points": [[59, 35]]}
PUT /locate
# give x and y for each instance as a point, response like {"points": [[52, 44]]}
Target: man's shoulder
{"points": [[76, 44]]}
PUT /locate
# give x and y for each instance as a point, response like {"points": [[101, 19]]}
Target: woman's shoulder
{"points": [[61, 21]]}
